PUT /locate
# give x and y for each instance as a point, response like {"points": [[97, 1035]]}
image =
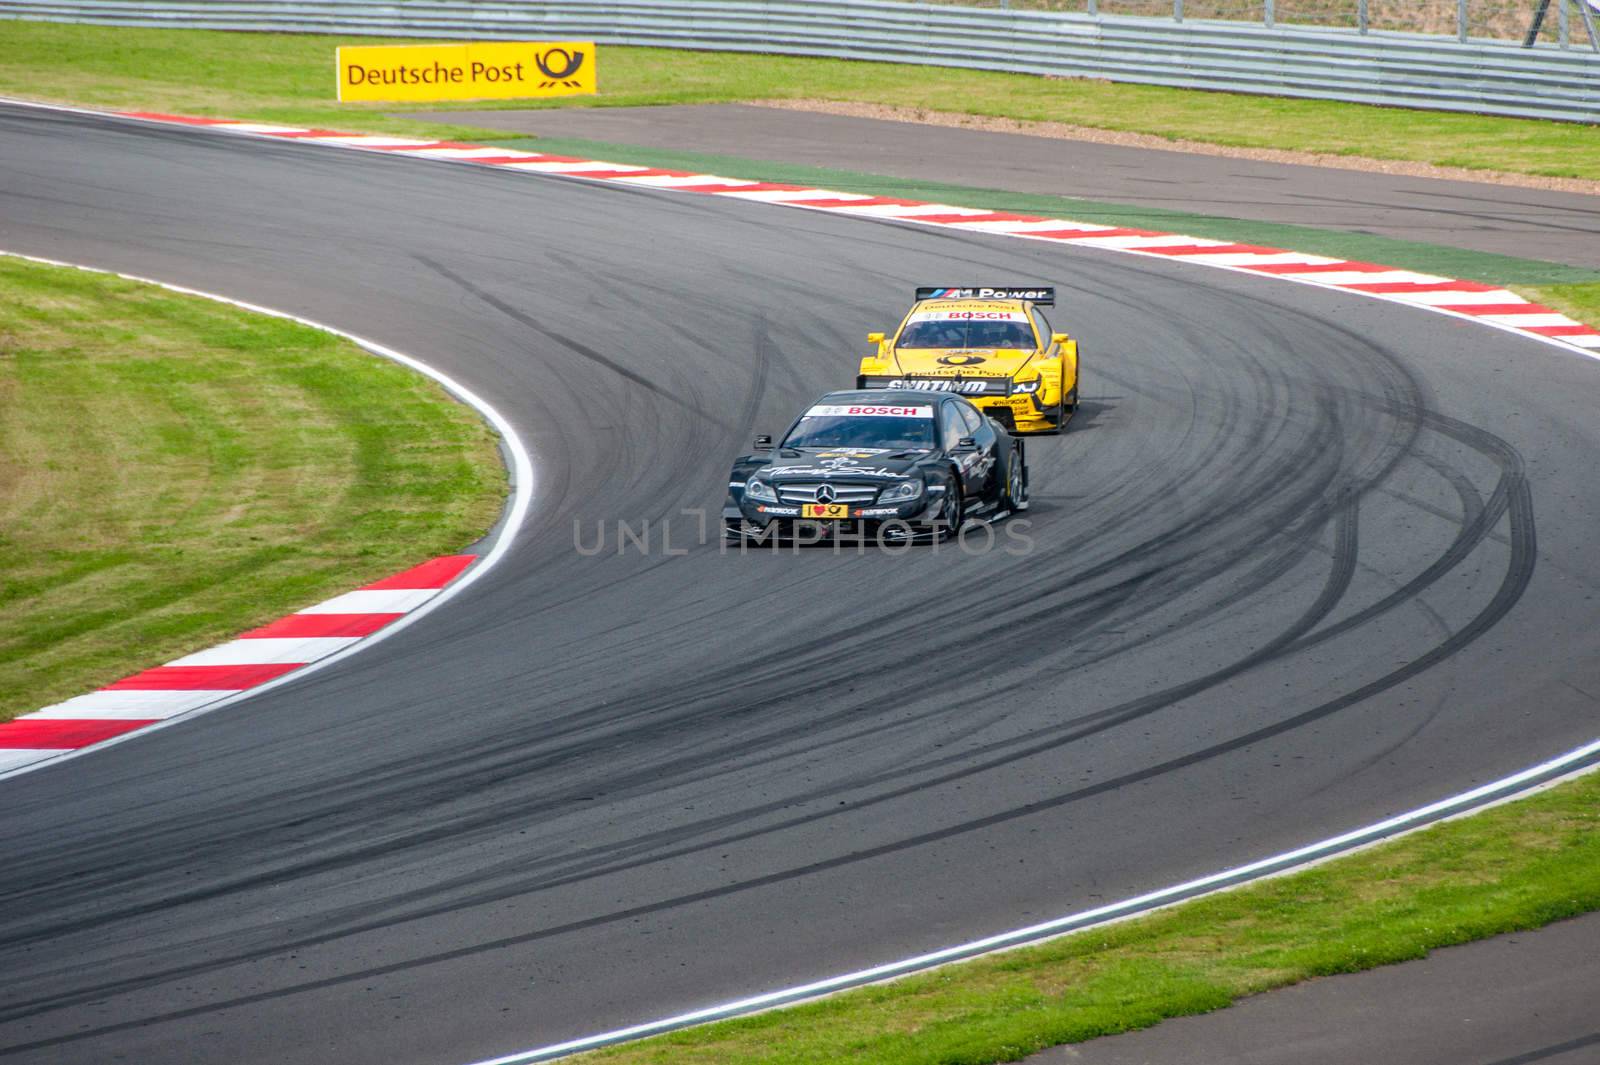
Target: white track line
{"points": [[516, 513]]}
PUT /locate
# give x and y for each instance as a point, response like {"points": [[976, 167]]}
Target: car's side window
{"points": [[1042, 323], [954, 426], [970, 415]]}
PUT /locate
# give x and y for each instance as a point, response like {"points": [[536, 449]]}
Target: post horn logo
{"points": [[558, 64], [962, 360]]}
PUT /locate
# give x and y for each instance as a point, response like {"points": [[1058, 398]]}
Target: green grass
{"points": [[1579, 301], [1516, 867], [174, 471], [290, 79]]}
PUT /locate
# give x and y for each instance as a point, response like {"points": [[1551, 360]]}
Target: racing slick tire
{"points": [[1014, 490]]}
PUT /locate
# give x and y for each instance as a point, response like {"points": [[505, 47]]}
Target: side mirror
{"points": [[763, 442], [965, 445], [1059, 338], [874, 338]]}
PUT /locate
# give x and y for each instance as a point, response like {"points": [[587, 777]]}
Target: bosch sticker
{"points": [[865, 411]]}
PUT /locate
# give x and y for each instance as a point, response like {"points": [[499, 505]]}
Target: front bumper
{"points": [[1021, 413], [759, 521]]}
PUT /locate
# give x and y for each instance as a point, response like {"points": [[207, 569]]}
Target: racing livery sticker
{"points": [[1043, 296], [844, 471], [868, 411], [981, 315], [945, 384]]}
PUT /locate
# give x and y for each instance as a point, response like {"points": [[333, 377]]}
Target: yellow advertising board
{"points": [[498, 70]]}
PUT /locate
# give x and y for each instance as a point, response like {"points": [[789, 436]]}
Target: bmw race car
{"points": [[896, 463], [991, 345]]}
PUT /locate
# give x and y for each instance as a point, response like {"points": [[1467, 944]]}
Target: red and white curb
{"points": [[1487, 304], [312, 638], [198, 680]]}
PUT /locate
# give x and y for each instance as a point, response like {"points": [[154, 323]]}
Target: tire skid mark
{"points": [[1313, 492], [1519, 505]]}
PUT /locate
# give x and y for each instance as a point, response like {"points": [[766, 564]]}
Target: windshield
{"points": [[888, 428], [947, 330]]}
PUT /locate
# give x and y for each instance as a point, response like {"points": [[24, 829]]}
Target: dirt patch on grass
{"points": [[1066, 131]]}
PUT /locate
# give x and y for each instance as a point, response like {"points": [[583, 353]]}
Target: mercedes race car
{"points": [[899, 464], [990, 345]]}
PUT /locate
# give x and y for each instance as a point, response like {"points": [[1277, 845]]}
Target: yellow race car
{"points": [[991, 345]]}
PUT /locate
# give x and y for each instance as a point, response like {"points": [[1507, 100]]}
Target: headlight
{"points": [[1026, 388], [899, 493], [759, 490]]}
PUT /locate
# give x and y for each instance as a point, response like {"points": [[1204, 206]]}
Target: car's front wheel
{"points": [[951, 514], [1066, 407]]}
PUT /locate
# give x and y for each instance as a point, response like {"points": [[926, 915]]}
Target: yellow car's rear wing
{"points": [[1044, 297]]}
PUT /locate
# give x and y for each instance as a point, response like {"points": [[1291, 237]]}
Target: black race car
{"points": [[895, 463]]}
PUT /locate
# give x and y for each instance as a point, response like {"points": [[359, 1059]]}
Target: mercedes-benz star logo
{"points": [[826, 493]]}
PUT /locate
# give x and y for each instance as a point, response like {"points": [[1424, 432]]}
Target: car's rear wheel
{"points": [[1014, 495]]}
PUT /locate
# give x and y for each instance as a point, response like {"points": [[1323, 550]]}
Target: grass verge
{"points": [[1516, 867], [174, 471], [289, 78], [1579, 301]]}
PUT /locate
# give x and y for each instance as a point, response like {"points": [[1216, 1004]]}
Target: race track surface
{"points": [[1303, 560]]}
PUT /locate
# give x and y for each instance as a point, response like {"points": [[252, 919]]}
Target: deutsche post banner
{"points": [[487, 71]]}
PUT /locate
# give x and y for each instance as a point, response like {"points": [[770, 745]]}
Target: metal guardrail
{"points": [[1571, 24], [1394, 69]]}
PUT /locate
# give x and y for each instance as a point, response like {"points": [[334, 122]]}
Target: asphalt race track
{"points": [[1304, 560]]}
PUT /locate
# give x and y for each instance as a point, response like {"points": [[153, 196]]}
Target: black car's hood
{"points": [[845, 464]]}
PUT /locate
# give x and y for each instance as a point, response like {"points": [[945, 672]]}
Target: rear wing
{"points": [[1044, 297]]}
